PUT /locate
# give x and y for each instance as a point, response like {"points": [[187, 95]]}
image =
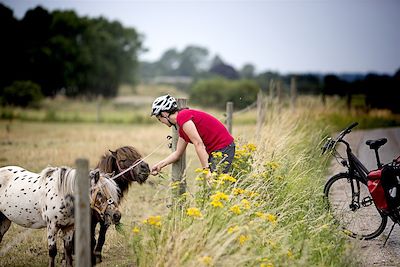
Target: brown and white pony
{"points": [[116, 162], [45, 200]]}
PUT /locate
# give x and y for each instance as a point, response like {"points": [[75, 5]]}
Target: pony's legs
{"points": [[4, 225], [100, 242], [52, 244], [68, 245], [93, 238]]}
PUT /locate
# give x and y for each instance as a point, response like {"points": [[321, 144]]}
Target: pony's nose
{"points": [[145, 168], [117, 217]]}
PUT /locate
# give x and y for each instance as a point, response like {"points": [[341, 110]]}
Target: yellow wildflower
{"points": [[135, 230], [153, 220], [250, 147], [226, 177], [206, 260], [272, 165], [194, 212], [238, 191], [217, 154], [198, 178], [271, 218], [245, 204], [267, 216], [233, 229], [289, 253], [216, 203], [260, 214], [242, 239], [219, 196], [235, 209], [174, 185]]}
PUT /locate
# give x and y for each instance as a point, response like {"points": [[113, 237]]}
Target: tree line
{"points": [[62, 52], [48, 53], [378, 91]]}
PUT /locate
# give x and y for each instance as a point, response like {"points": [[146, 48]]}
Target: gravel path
{"points": [[371, 252]]}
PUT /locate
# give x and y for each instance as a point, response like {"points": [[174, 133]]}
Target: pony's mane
{"points": [[107, 160], [110, 185], [64, 177]]}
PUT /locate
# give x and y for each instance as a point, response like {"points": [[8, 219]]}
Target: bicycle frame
{"points": [[355, 169]]}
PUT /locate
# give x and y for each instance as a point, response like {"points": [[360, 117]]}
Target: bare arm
{"points": [[174, 156], [190, 129]]}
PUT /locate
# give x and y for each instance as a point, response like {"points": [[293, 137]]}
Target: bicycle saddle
{"points": [[376, 144]]}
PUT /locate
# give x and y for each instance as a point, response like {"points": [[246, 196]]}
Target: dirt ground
{"points": [[372, 252]]}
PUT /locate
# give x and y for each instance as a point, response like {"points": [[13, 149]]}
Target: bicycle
{"points": [[347, 192]]}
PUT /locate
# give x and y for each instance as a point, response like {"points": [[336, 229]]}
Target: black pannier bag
{"points": [[390, 178]]}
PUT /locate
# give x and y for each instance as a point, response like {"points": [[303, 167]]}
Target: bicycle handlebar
{"points": [[346, 131], [330, 143]]}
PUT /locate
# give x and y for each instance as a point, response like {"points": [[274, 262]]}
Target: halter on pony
{"points": [[98, 205]]}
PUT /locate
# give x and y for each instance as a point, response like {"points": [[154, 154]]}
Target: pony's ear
{"points": [[96, 176], [113, 153]]}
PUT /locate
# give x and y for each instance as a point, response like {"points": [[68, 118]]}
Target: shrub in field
{"points": [[216, 92], [22, 93]]}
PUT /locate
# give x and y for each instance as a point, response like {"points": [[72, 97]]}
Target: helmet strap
{"points": [[173, 124]]}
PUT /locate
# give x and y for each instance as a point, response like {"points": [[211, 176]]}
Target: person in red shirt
{"points": [[204, 131]]}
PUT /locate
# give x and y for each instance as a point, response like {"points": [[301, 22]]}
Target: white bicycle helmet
{"points": [[163, 103]]}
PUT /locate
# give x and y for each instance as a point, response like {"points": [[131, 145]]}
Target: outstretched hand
{"points": [[155, 169]]}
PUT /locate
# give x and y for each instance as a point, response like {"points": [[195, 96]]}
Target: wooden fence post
{"points": [[98, 109], [271, 90], [178, 167], [229, 116], [293, 92], [261, 110], [279, 91], [82, 215]]}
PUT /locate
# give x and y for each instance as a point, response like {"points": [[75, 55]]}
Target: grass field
{"points": [[272, 212]]}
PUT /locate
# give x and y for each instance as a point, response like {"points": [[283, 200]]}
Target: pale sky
{"points": [[286, 36]]}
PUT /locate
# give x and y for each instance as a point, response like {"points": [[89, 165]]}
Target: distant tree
{"points": [[9, 47], [62, 51], [36, 54], [333, 85], [217, 60], [382, 91], [263, 79], [220, 68], [169, 62], [308, 84], [216, 92], [247, 71], [22, 93], [193, 58]]}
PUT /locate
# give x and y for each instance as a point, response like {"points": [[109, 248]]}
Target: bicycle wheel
{"points": [[358, 216]]}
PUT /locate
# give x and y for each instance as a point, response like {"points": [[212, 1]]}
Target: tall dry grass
{"points": [[283, 222]]}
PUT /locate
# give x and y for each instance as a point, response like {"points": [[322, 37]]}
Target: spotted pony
{"points": [[46, 199]]}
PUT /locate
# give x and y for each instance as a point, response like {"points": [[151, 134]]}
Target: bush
{"points": [[22, 93], [216, 92]]}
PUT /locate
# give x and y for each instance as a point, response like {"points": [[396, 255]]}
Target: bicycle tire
{"points": [[362, 220]]}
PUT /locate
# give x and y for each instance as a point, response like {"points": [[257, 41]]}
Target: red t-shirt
{"points": [[213, 133]]}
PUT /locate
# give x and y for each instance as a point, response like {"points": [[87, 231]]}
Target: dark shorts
{"points": [[224, 163]]}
